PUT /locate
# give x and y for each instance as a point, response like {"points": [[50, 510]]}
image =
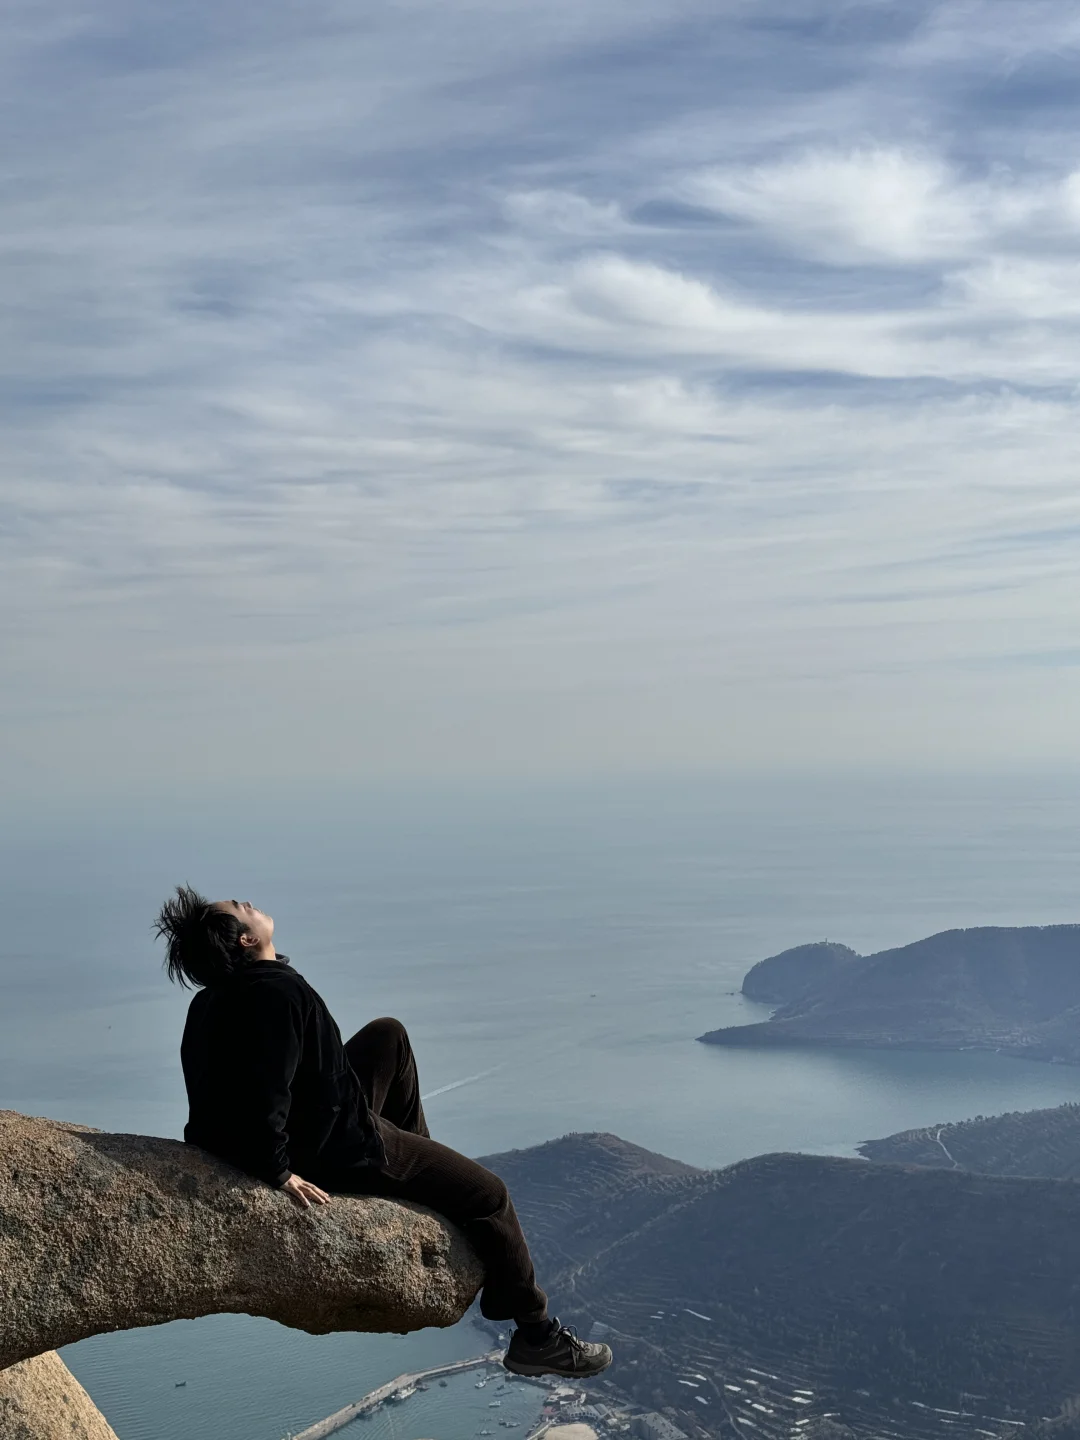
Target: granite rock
{"points": [[40, 1399], [103, 1232]]}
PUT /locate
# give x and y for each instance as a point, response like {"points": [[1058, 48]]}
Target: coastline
{"points": [[764, 1036]]}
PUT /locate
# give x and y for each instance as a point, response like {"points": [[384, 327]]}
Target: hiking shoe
{"points": [[561, 1354]]}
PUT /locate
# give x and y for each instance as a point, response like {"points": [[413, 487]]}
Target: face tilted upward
{"points": [[259, 927]]}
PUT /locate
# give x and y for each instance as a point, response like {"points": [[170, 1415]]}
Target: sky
{"points": [[443, 390]]}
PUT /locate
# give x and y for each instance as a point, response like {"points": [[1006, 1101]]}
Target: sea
{"points": [[554, 950]]}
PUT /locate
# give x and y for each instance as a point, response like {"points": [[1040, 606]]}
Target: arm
{"points": [[267, 1042]]}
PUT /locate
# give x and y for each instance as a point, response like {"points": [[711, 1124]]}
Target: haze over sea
{"points": [[553, 954]]}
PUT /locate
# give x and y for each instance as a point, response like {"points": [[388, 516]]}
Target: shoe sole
{"points": [[517, 1368]]}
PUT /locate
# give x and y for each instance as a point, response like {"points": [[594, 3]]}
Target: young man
{"points": [[273, 1091]]}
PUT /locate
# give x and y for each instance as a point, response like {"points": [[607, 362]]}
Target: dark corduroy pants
{"points": [[418, 1168]]}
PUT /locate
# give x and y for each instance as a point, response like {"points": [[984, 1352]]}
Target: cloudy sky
{"points": [[442, 387]]}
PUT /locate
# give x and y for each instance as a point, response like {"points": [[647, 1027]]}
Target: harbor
{"points": [[483, 1409], [393, 1391]]}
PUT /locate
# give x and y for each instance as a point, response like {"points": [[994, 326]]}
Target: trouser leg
{"points": [[420, 1169], [383, 1059]]}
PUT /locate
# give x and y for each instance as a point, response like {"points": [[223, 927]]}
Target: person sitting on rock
{"points": [[273, 1091]]}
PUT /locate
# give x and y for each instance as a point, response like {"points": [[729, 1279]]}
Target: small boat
{"points": [[179, 1383], [493, 1403]]}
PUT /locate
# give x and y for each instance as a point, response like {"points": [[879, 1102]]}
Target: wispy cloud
{"points": [[883, 206], [609, 379]]}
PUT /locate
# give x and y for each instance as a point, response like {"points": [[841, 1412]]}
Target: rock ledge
{"points": [[104, 1232]]}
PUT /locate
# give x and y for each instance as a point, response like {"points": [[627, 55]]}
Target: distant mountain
{"points": [[1014, 989], [1031, 1142], [899, 1302], [598, 1163], [575, 1195]]}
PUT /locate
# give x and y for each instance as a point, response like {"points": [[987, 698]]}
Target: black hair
{"points": [[202, 944]]}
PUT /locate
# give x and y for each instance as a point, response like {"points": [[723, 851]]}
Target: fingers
{"points": [[304, 1194]]}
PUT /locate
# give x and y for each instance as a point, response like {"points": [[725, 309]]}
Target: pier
{"points": [[340, 1418], [540, 1428]]}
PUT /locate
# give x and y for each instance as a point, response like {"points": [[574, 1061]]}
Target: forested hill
{"points": [[792, 1286], [791, 974], [578, 1194], [1028, 1142], [1015, 990]]}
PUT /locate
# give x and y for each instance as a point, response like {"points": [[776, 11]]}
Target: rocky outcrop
{"points": [[40, 1399], [104, 1232]]}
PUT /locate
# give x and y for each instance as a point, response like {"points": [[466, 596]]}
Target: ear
{"points": [[247, 939]]}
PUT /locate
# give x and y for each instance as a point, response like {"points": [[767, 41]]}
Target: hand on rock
{"points": [[303, 1193]]}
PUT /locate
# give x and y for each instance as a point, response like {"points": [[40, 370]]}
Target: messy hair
{"points": [[202, 945]]}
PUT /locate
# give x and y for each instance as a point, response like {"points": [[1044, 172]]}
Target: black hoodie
{"points": [[270, 1088]]}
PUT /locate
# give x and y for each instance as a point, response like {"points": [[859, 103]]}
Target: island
{"points": [[1012, 989]]}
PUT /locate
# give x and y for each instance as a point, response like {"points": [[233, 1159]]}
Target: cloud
{"points": [[889, 207], [866, 205], [573, 378], [560, 212]]}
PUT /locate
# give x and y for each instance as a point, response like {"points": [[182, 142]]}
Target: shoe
{"points": [[561, 1354]]}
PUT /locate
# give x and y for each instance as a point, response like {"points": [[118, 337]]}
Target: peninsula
{"points": [[1013, 989]]}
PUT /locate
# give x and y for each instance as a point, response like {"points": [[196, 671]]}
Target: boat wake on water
{"points": [[457, 1084]]}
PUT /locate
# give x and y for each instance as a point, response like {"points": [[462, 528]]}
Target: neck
{"points": [[264, 952]]}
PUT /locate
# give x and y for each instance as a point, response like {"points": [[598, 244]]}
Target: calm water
{"points": [[554, 956]]}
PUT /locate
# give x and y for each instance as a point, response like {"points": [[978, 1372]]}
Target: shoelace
{"points": [[577, 1345], [570, 1331]]}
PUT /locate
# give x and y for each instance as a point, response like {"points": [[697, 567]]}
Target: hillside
{"points": [[578, 1194], [1029, 1142], [791, 1287], [1016, 990], [782, 978]]}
